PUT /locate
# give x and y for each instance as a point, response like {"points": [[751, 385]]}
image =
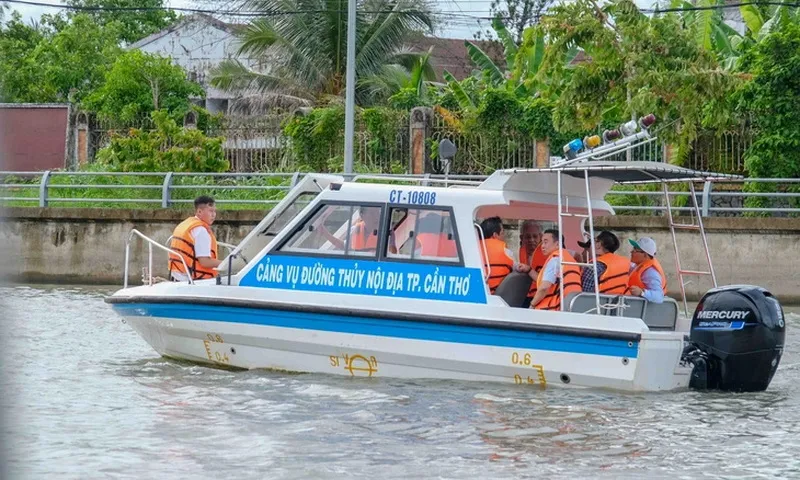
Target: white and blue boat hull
{"points": [[370, 342]]}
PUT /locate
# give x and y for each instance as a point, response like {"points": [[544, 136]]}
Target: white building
{"points": [[197, 43]]}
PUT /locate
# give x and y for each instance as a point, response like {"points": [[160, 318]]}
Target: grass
{"points": [[144, 191], [632, 200]]}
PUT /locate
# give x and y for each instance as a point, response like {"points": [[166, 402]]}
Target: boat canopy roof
{"points": [[625, 172]]}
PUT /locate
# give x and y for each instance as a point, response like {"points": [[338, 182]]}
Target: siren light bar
{"points": [[610, 142]]}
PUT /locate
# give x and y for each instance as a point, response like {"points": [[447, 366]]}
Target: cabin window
{"points": [[287, 215], [338, 230], [422, 234]]}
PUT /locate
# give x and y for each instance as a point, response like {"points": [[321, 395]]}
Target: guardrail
{"points": [[168, 189]]}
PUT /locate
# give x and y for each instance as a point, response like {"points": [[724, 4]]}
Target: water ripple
{"points": [[87, 397]]}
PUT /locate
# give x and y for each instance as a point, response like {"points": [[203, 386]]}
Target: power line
{"points": [[232, 13], [462, 13], [717, 7]]}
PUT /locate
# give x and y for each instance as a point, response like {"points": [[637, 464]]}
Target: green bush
{"points": [[317, 139], [770, 101], [168, 148]]}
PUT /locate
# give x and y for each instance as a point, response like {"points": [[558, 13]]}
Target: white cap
{"points": [[645, 244]]}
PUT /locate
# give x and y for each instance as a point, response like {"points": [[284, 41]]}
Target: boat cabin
{"points": [[326, 224]]}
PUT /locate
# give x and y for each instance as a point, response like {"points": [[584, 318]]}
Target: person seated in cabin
{"points": [[548, 284], [585, 255], [612, 270], [434, 236], [531, 257], [647, 279], [500, 260], [363, 233]]}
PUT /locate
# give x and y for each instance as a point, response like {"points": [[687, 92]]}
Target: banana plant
{"points": [[758, 27], [714, 35], [710, 31], [522, 63]]}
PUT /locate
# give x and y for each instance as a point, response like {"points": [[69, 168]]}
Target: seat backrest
{"points": [[661, 316], [583, 302], [514, 288], [657, 316], [635, 307]]}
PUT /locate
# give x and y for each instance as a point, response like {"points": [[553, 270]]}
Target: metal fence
{"points": [[257, 144], [481, 154], [249, 190]]}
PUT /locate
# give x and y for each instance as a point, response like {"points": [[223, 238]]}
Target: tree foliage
{"points": [[401, 87], [317, 138], [54, 61], [307, 51], [60, 58], [770, 101], [139, 83], [517, 15], [635, 65], [131, 25], [522, 64], [168, 148]]}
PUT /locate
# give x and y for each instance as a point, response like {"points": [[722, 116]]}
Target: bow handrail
{"points": [[150, 243]]}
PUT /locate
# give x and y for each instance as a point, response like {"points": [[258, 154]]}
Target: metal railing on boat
{"points": [[150, 244]]}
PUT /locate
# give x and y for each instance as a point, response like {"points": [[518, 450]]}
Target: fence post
{"points": [[82, 138], [542, 149], [670, 153], [43, 188], [419, 127], [165, 197], [706, 198]]}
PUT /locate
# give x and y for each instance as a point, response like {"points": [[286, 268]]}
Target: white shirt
{"points": [[202, 242], [653, 289], [202, 248], [551, 268]]}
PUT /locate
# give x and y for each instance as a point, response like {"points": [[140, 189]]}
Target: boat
{"points": [[300, 293]]}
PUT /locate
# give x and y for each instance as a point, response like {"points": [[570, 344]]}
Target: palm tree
{"points": [[301, 45]]}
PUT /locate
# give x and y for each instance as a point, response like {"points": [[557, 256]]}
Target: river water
{"points": [[83, 396]]}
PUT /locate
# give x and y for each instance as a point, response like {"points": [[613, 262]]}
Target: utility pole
{"points": [[350, 88]]}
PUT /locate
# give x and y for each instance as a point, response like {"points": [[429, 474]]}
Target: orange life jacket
{"points": [[538, 259], [614, 280], [183, 243], [499, 263], [635, 279], [436, 245], [572, 282], [362, 239]]}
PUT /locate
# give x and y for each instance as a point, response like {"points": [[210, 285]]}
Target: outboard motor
{"points": [[736, 339]]}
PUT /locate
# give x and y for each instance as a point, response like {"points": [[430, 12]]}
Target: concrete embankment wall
{"points": [[65, 245]]}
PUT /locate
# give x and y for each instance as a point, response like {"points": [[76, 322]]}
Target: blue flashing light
{"points": [[572, 148], [575, 145]]}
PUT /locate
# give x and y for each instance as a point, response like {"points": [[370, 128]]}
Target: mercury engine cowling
{"points": [[736, 339]]}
